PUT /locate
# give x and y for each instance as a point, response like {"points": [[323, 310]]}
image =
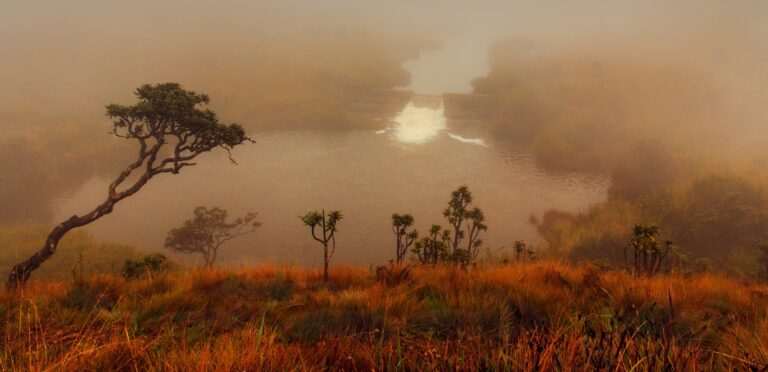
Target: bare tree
{"points": [[404, 238], [327, 225], [208, 231], [172, 127]]}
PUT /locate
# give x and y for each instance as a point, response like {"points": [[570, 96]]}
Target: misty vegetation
{"points": [[145, 267], [207, 231]]}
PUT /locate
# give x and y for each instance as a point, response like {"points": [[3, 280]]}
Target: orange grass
{"points": [[542, 316]]}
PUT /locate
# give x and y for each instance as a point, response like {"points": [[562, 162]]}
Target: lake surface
{"points": [[411, 166]]}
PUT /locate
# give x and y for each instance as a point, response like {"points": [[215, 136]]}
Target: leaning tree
{"points": [[326, 223], [207, 231], [171, 126]]}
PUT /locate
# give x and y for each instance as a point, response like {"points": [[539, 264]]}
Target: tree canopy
{"points": [[207, 231]]}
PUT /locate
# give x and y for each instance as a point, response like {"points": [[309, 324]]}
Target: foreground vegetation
{"points": [[544, 315], [80, 253]]}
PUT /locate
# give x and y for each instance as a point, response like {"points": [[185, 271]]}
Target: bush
{"points": [[150, 264]]}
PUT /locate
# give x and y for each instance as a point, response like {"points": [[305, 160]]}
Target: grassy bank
{"points": [[546, 315]]}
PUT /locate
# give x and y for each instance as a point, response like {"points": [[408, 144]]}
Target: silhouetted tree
{"points": [[457, 213], [649, 252], [475, 226], [327, 225], [207, 231], [404, 238], [523, 251], [433, 248], [172, 127], [520, 249]]}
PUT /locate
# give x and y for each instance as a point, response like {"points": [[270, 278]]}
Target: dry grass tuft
{"points": [[542, 316]]}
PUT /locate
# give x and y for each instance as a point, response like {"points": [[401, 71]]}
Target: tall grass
{"points": [[542, 316]]}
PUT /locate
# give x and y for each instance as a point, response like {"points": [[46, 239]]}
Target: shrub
{"points": [[149, 265]]}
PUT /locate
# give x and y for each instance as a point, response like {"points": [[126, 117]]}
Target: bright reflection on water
{"points": [[418, 124]]}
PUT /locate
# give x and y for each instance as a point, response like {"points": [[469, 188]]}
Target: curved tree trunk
{"points": [[21, 272]]}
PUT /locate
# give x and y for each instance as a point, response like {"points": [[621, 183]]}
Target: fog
{"points": [[344, 100]]}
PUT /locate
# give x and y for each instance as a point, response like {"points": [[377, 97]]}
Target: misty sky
{"points": [[61, 62]]}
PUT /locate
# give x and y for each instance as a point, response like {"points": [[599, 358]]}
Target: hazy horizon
{"points": [[305, 80]]}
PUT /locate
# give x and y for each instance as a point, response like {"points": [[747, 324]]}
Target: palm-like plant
{"points": [[327, 226]]}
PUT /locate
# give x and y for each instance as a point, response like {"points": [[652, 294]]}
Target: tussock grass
{"points": [[542, 316]]}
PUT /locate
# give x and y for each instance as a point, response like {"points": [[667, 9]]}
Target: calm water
{"points": [[412, 166]]}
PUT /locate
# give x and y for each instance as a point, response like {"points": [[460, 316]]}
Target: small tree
{"points": [[327, 224], [457, 213], [404, 238], [475, 226], [207, 231], [520, 249], [172, 127], [433, 248], [649, 252]]}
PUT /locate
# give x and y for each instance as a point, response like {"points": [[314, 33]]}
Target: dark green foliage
{"points": [[458, 213], [208, 231], [648, 250], [715, 212], [167, 110], [476, 225], [404, 237], [433, 248], [720, 216], [148, 265]]}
